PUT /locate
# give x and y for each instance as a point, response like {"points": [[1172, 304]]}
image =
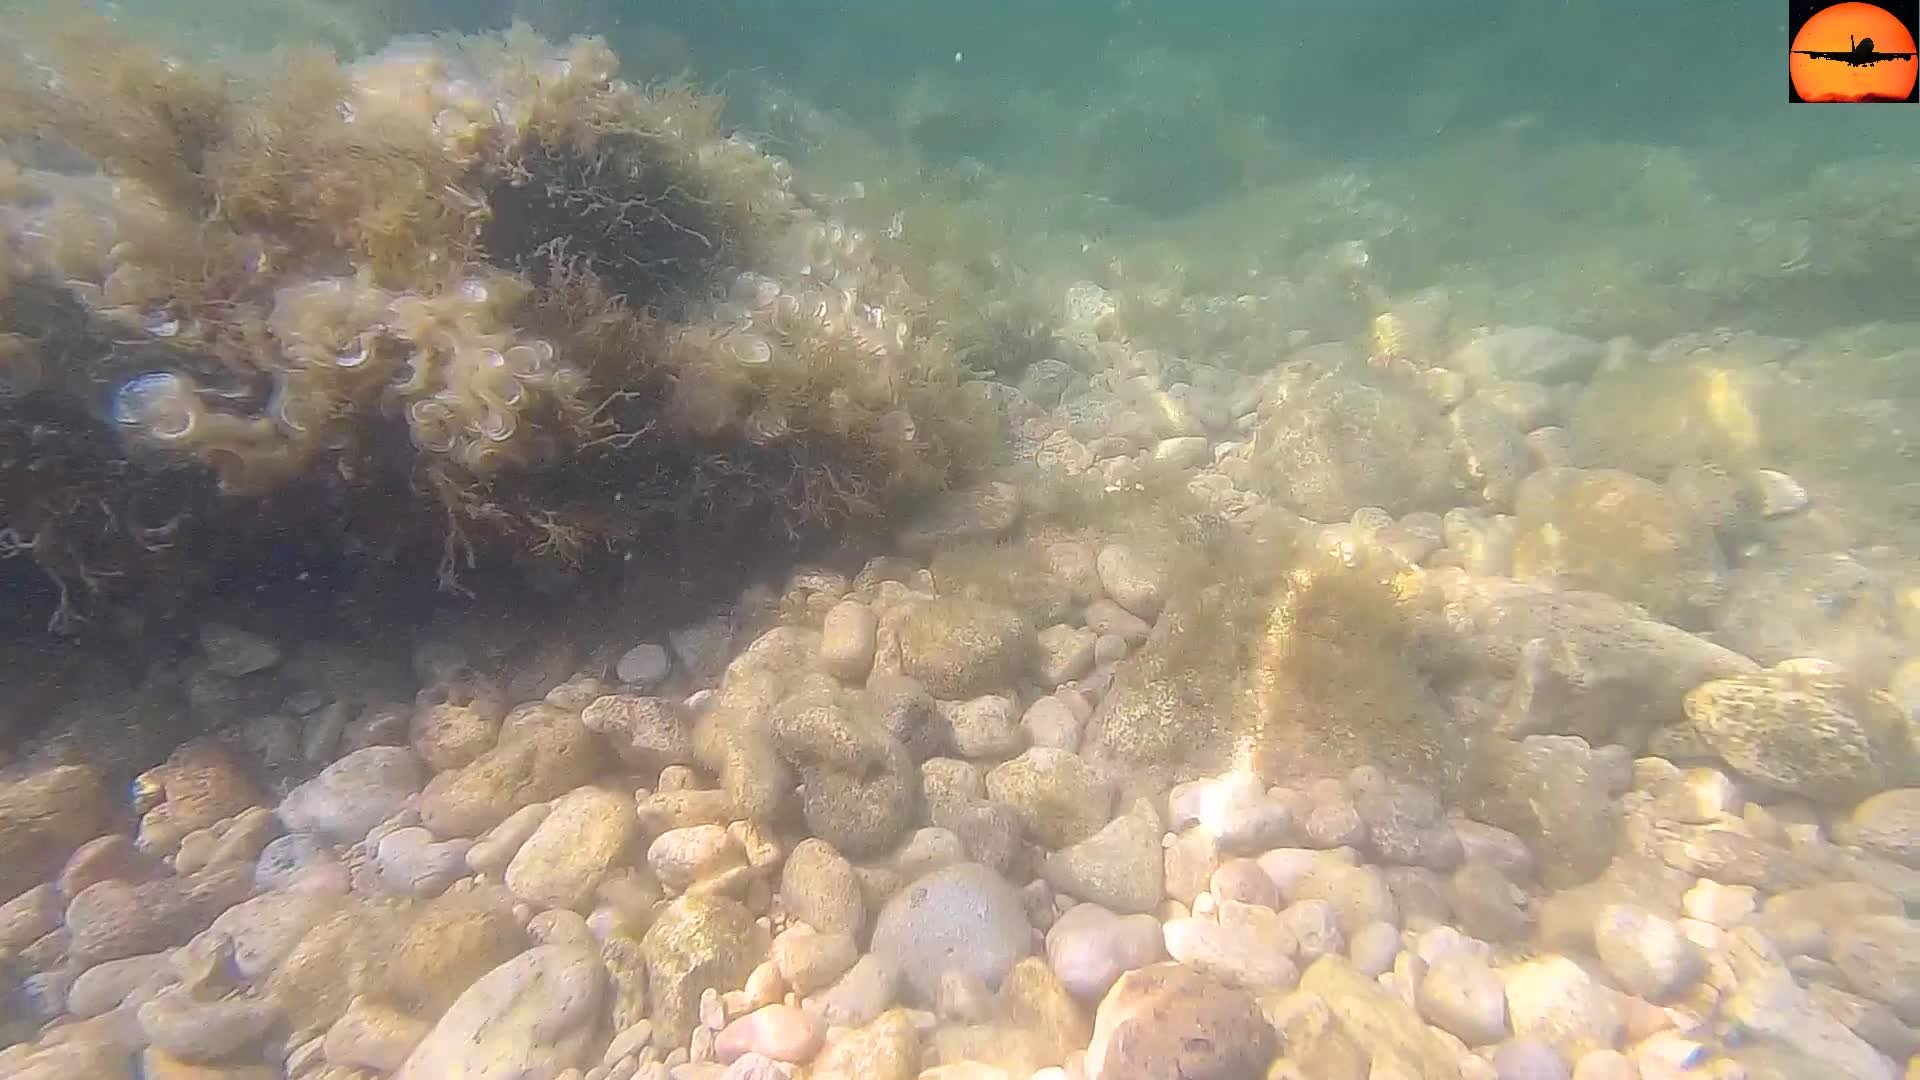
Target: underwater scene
{"points": [[842, 540]]}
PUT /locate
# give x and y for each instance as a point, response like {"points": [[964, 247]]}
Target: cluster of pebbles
{"points": [[863, 837]]}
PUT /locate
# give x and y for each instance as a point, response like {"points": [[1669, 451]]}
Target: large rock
{"points": [[354, 794], [1169, 1022], [43, 817], [1621, 534], [961, 917], [1336, 443], [1582, 663], [1801, 728], [698, 943], [534, 1015]]}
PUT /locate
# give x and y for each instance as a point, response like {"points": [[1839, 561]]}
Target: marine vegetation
{"points": [[457, 307]]}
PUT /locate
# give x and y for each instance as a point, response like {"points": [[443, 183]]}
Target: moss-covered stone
{"points": [[699, 942]]}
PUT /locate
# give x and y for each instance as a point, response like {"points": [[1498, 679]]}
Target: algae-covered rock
{"points": [[960, 648], [1335, 444], [1804, 728], [699, 942], [1533, 353], [860, 788], [454, 939], [1058, 797], [1121, 867], [1620, 534], [1554, 791]]}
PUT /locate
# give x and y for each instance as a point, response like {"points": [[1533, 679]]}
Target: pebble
{"points": [[1528, 1059], [1235, 809], [861, 995], [848, 637], [408, 861], [1722, 905], [1249, 948], [681, 857], [1463, 996], [819, 887], [985, 727], [644, 666], [372, 1036], [779, 1032], [1372, 949], [1059, 798], [1554, 1000], [299, 861], [1090, 947], [1649, 955], [1065, 653], [1051, 722]]}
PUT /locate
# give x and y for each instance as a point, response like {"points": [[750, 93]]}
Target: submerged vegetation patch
{"points": [[471, 303]]}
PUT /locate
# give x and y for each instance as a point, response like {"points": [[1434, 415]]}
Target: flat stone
{"points": [[534, 1015]]}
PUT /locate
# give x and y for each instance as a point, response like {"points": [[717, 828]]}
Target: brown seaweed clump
{"points": [[474, 302]]}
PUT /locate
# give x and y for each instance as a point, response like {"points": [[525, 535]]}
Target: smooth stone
{"points": [[1649, 955], [586, 834], [818, 887], [1554, 1000], [645, 665], [352, 795], [986, 727], [494, 850], [681, 857], [780, 1032], [1463, 996], [1090, 947], [1059, 799], [809, 960], [106, 986], [192, 1030], [848, 636], [964, 916], [1052, 723], [859, 996], [534, 1015]]}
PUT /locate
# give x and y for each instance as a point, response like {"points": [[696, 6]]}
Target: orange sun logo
{"points": [[1853, 52]]}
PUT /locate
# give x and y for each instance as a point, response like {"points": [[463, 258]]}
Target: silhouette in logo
{"points": [[1877, 64], [1859, 53]]}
